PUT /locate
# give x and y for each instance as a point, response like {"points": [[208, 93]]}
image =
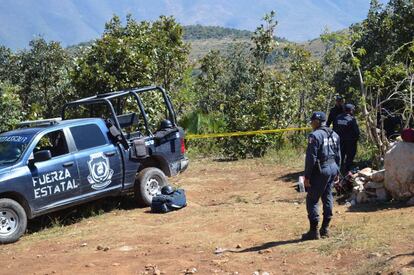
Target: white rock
{"points": [[359, 181], [366, 173], [399, 175], [378, 176]]}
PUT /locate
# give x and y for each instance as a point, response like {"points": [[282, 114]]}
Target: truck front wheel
{"points": [[148, 184], [13, 221]]}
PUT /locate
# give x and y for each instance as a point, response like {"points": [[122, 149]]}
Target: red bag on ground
{"points": [[407, 135]]}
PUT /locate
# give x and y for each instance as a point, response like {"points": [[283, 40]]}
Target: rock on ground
{"points": [[399, 175], [378, 176]]}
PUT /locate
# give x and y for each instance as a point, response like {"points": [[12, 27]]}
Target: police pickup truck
{"points": [[101, 146]]}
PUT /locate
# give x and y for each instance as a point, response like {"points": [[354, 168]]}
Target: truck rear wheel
{"points": [[13, 221], [148, 184]]}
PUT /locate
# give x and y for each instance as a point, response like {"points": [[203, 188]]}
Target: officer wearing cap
{"points": [[336, 110], [321, 171], [346, 126]]}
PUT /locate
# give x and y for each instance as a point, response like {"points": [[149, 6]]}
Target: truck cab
{"points": [[52, 164]]}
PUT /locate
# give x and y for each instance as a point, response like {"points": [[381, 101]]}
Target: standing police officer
{"points": [[321, 171], [336, 110], [346, 126]]}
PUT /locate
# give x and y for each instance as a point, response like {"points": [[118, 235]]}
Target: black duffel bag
{"points": [[169, 200]]}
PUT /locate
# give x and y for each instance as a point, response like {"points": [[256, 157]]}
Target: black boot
{"points": [[313, 233], [324, 232]]}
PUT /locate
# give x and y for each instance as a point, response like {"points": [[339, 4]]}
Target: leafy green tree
{"points": [[210, 95], [139, 53], [170, 52], [308, 82], [10, 107], [44, 82]]}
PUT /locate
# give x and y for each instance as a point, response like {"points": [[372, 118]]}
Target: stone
{"points": [[266, 251], [219, 250], [190, 271], [373, 185], [366, 173], [126, 248], [84, 244], [374, 255], [399, 175], [378, 176], [359, 181], [358, 188], [382, 194]]}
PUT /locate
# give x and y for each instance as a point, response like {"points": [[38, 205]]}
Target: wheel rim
{"points": [[9, 221], [153, 186]]}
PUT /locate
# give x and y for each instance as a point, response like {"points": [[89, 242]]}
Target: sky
{"points": [[75, 21]]}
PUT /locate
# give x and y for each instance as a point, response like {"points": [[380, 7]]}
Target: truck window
{"points": [[55, 142], [87, 136]]}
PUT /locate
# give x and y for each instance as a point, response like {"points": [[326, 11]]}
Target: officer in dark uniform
{"points": [[346, 126], [321, 171], [336, 110]]}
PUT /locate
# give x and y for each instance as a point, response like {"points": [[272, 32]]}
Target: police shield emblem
{"points": [[100, 172]]}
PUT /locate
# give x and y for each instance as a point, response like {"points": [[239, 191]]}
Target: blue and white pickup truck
{"points": [[49, 165]]}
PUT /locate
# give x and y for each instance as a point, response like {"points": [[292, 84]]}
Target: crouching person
{"points": [[321, 171]]}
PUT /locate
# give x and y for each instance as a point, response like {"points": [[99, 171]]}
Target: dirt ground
{"points": [[248, 209]]}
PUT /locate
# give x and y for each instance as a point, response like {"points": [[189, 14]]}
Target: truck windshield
{"points": [[12, 147]]}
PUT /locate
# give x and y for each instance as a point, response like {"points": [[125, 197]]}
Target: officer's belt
{"points": [[328, 161]]}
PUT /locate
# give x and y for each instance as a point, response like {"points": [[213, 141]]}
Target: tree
{"points": [[10, 107], [170, 52], [379, 57], [44, 84], [210, 95], [139, 53]]}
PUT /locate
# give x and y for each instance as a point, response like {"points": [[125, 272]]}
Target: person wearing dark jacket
{"points": [[321, 171], [346, 126], [336, 110]]}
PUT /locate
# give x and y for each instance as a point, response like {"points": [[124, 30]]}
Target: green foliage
{"points": [[10, 107], [240, 88], [41, 73], [253, 85], [44, 78], [139, 53], [308, 82]]}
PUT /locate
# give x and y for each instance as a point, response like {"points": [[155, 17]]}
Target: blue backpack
{"points": [[167, 203]]}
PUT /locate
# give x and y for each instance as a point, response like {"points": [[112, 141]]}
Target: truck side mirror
{"points": [[42, 156]]}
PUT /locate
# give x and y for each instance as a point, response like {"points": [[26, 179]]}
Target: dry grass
{"points": [[250, 203]]}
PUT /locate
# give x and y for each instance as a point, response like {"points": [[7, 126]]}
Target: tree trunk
{"points": [[370, 122]]}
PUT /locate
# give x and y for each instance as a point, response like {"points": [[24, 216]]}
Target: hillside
{"points": [[206, 38]]}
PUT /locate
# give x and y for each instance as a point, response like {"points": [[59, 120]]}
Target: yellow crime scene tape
{"points": [[247, 133]]}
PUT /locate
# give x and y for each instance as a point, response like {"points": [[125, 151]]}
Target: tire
{"points": [[148, 183], [13, 221]]}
